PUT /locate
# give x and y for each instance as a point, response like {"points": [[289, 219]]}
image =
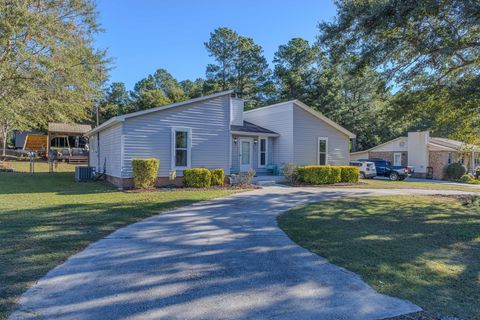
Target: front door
{"points": [[245, 155], [397, 159]]}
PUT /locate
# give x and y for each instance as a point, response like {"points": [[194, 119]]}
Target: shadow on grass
{"points": [[225, 257], [423, 250], [44, 182], [34, 241]]}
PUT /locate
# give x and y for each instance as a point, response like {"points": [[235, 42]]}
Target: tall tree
{"points": [[193, 89], [240, 65], [116, 101], [295, 69], [49, 69], [427, 48], [156, 90]]}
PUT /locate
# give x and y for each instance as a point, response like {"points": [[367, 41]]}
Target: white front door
{"points": [[397, 159], [245, 154]]}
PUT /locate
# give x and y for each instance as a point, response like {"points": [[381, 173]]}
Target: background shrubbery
{"points": [[145, 172], [455, 171]]}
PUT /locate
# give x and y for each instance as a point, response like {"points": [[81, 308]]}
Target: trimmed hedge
{"points": [[145, 172], [327, 174], [218, 177], [349, 174], [197, 178]]}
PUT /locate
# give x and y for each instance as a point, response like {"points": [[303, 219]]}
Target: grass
{"points": [[424, 249], [45, 218], [387, 184]]}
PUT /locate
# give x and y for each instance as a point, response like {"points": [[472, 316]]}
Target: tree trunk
{"points": [[3, 135]]}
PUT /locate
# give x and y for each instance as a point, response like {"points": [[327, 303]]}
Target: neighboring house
{"points": [[215, 132], [423, 152]]}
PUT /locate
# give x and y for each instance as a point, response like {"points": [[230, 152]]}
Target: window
{"points": [[262, 152], [322, 151], [181, 145], [449, 158]]}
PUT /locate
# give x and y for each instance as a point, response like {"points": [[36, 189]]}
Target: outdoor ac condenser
{"points": [[84, 173]]}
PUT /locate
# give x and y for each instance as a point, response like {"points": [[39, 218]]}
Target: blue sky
{"points": [[144, 35]]}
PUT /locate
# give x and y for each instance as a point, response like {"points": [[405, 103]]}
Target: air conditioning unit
{"points": [[84, 173]]}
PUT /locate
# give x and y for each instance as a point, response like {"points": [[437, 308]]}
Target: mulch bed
{"points": [[177, 188]]}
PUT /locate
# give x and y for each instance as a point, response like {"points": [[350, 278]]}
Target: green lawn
{"points": [[45, 218], [424, 249], [387, 184]]}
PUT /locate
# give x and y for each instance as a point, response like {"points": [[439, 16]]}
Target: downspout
{"points": [[98, 151]]}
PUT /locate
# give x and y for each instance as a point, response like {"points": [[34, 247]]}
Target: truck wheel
{"points": [[393, 176], [362, 175]]}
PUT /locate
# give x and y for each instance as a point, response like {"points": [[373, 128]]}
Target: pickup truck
{"points": [[394, 173]]}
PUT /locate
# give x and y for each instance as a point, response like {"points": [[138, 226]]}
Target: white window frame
{"points": [[259, 151], [189, 147], [326, 150]]}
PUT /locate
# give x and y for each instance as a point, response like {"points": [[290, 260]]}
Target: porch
{"points": [[253, 148]]}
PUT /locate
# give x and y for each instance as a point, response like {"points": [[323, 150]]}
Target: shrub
{"points": [[349, 174], [327, 174], [319, 174], [197, 178], [145, 172], [218, 177], [290, 171], [243, 179], [467, 177], [455, 171], [477, 172]]}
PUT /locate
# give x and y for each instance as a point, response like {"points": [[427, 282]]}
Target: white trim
{"points": [[230, 139], [396, 154], [173, 149], [254, 134], [317, 114], [326, 150], [250, 140], [143, 112], [259, 151]]}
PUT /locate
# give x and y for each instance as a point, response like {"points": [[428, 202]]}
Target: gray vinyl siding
{"points": [[110, 151], [150, 135], [307, 130], [255, 161], [280, 120]]}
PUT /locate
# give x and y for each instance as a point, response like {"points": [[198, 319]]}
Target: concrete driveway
{"points": [[220, 259]]}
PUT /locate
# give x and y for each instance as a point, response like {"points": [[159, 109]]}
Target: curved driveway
{"points": [[219, 259]]}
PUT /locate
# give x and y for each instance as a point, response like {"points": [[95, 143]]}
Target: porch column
{"points": [[472, 162]]}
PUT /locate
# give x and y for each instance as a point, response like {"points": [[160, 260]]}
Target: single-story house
{"points": [[424, 152], [214, 131]]}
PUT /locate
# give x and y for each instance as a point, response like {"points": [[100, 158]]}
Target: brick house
{"points": [[424, 152]]}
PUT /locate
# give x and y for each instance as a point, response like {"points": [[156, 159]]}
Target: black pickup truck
{"points": [[394, 173]]}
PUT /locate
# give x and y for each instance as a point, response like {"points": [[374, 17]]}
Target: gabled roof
{"points": [[317, 114], [72, 128], [249, 127], [435, 144], [380, 145], [122, 118]]}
